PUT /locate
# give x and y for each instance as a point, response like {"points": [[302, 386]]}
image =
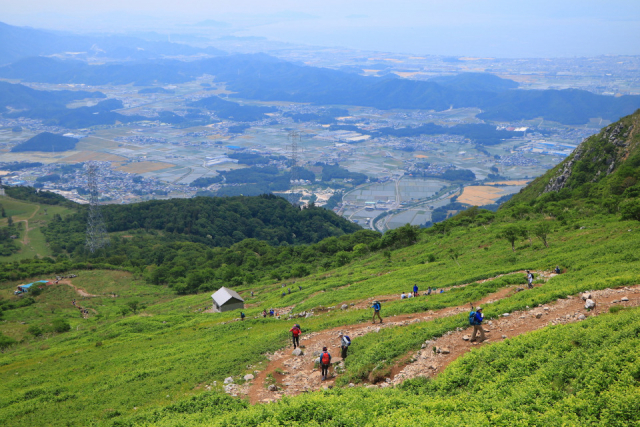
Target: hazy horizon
{"points": [[463, 27]]}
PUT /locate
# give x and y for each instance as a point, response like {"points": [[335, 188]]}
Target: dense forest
{"points": [[232, 110], [46, 141]]}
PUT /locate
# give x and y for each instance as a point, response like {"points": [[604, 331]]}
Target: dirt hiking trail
{"points": [[80, 292], [298, 374]]}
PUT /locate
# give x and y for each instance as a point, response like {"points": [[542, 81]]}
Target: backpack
{"points": [[296, 331], [472, 318], [346, 341], [326, 359], [376, 306], [532, 276]]}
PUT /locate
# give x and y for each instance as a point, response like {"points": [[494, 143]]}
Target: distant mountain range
{"points": [[21, 42], [265, 78]]}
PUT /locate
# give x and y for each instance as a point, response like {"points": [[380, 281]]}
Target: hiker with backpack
{"points": [[241, 315], [415, 290], [376, 311], [475, 319], [529, 279], [345, 342], [557, 270], [295, 335], [325, 362]]}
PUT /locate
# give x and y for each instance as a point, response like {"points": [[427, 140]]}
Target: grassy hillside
{"points": [[109, 364], [143, 355], [28, 219]]}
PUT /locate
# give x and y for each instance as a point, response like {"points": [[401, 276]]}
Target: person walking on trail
{"points": [[529, 279], [325, 362], [415, 290], [376, 311], [241, 315], [295, 335], [557, 270], [429, 291], [345, 342], [475, 319]]}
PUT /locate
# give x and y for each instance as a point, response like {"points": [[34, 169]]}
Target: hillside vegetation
{"points": [[144, 355]]}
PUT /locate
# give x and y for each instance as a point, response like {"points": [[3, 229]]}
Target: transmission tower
{"points": [[294, 138], [96, 231]]}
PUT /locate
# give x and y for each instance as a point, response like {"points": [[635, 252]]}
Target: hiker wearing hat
{"points": [[376, 311], [345, 342], [325, 361], [475, 319], [295, 335]]}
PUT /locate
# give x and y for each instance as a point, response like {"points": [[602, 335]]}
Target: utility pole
{"points": [[96, 231]]}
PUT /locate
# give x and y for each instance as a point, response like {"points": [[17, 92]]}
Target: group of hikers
{"points": [[324, 360], [476, 317], [288, 290], [415, 292]]}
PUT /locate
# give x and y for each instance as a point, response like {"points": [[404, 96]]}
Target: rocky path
{"points": [[296, 374], [436, 355]]}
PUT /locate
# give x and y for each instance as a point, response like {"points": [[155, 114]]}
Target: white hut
{"points": [[225, 299]]}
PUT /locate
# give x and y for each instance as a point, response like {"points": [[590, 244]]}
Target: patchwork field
{"points": [[87, 156], [480, 195], [143, 167]]}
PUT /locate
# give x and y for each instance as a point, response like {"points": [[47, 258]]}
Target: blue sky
{"points": [[496, 28]]}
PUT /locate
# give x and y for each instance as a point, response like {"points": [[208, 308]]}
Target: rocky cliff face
{"points": [[598, 155]]}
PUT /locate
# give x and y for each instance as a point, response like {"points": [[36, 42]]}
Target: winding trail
{"points": [[80, 291], [297, 374]]}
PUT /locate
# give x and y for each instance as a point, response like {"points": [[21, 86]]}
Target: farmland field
{"points": [[144, 167]]}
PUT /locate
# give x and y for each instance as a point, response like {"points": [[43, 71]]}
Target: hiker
{"points": [[376, 311], [295, 335], [271, 312], [475, 319], [441, 290], [299, 287], [403, 296], [289, 290], [325, 361], [429, 291], [252, 294], [241, 315], [415, 290], [409, 295], [345, 342], [264, 313], [557, 270], [74, 302], [529, 279], [283, 294]]}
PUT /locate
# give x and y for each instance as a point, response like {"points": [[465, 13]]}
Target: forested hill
{"points": [[606, 166], [217, 221]]}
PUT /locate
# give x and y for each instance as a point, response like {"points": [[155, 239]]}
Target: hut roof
{"points": [[222, 295]]}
